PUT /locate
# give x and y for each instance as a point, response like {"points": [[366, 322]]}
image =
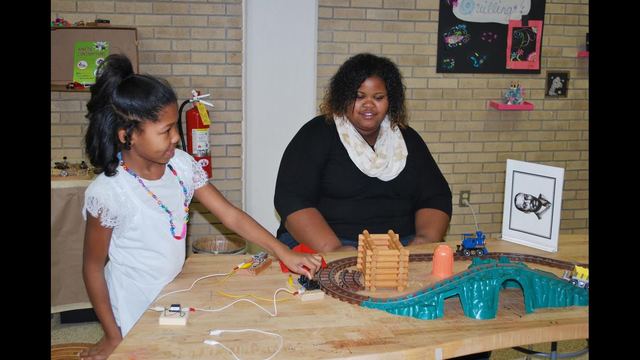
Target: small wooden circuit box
{"points": [[260, 262]]}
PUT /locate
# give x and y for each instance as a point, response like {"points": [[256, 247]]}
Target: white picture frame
{"points": [[532, 204]]}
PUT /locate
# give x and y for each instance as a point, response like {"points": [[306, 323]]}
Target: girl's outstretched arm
{"points": [[245, 226], [95, 254]]}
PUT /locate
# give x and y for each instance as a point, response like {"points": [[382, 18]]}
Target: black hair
{"points": [[121, 99], [343, 88]]}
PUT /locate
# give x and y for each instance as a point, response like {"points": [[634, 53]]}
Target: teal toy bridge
{"points": [[478, 288], [479, 291]]}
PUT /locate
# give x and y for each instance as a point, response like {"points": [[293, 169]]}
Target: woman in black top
{"points": [[360, 166]]}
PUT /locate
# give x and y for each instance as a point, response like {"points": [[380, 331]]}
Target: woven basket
{"points": [[68, 351], [219, 244]]}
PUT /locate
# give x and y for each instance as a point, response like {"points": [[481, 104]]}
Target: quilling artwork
{"points": [[514, 95], [557, 84]]}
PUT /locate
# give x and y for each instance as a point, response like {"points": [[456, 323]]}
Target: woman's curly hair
{"points": [[343, 88]]}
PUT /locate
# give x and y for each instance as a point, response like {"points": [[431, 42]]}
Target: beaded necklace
{"points": [[159, 202]]}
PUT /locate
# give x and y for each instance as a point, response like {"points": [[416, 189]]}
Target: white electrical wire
{"points": [[275, 306], [217, 332], [214, 343], [465, 201], [191, 287]]}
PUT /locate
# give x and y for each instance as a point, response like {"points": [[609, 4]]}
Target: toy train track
{"points": [[350, 280], [328, 284], [341, 283]]}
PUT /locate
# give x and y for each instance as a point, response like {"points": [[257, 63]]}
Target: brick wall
{"points": [[469, 141], [192, 44], [198, 44]]}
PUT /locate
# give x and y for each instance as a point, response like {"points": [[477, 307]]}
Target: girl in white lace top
{"points": [[137, 209]]}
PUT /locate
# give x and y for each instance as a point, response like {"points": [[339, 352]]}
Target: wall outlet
{"points": [[464, 195]]}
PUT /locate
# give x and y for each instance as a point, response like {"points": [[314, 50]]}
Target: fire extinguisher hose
{"points": [[184, 143]]}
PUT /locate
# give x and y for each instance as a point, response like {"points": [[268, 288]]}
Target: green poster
{"points": [[87, 55]]}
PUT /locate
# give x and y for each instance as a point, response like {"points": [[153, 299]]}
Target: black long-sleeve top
{"points": [[316, 171]]}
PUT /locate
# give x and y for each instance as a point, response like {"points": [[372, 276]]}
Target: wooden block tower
{"points": [[383, 261]]}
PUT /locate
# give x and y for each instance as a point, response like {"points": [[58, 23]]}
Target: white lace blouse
{"points": [[143, 255]]}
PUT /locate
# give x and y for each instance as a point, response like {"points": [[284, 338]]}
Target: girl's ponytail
{"points": [[101, 140], [119, 100]]}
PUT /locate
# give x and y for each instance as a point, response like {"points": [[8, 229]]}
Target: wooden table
{"points": [[329, 328]]}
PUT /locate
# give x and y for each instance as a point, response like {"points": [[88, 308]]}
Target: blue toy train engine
{"points": [[472, 245]]}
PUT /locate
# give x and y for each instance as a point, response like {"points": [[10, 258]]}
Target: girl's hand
{"points": [[301, 263], [101, 350]]}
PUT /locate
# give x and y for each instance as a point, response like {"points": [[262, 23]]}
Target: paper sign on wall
{"points": [[87, 55]]}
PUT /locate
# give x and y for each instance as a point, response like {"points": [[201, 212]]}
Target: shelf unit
{"points": [[63, 88], [525, 106], [121, 39]]}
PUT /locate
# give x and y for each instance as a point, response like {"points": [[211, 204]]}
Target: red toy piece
{"points": [[60, 22], [75, 86], [303, 249]]}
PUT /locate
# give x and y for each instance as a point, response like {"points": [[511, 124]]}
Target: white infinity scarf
{"points": [[389, 157]]}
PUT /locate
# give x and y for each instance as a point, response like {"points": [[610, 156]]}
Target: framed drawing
{"points": [[557, 84], [523, 44], [532, 204]]}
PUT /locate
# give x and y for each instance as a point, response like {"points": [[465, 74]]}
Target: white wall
{"points": [[279, 92]]}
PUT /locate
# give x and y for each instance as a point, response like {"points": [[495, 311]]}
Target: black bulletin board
{"points": [[482, 47]]}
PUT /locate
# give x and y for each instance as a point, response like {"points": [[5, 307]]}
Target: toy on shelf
{"points": [[514, 95], [60, 22], [259, 262], [383, 261], [62, 166], [472, 245], [67, 170], [578, 277], [100, 22], [513, 99], [76, 86]]}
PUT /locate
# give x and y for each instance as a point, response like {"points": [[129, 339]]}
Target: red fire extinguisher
{"points": [[198, 122]]}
